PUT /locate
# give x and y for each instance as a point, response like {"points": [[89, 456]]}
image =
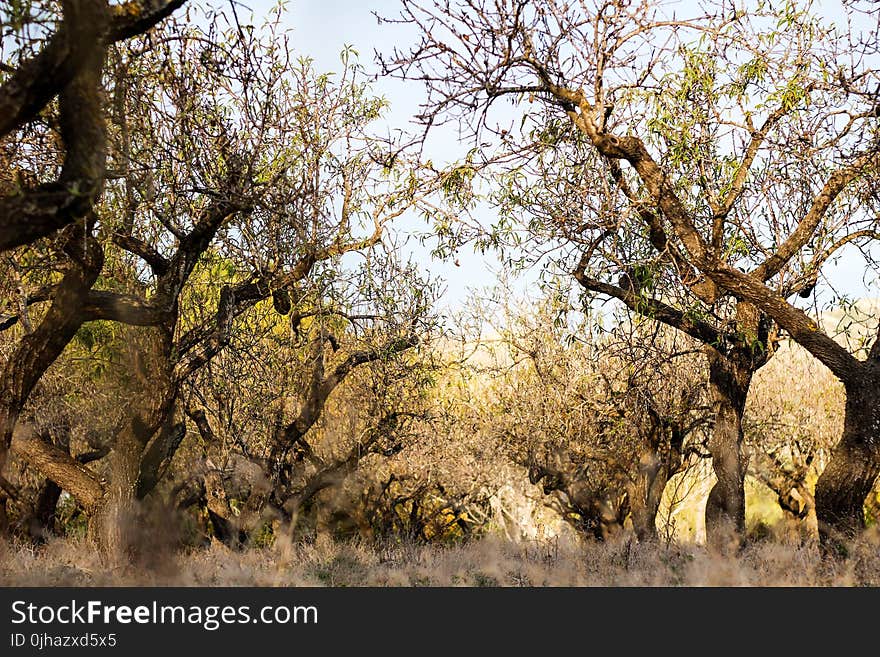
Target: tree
{"points": [[64, 142], [731, 153], [231, 157], [602, 422], [318, 393]]}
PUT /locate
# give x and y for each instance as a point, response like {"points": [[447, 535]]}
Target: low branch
{"points": [[123, 308], [331, 474], [86, 487], [654, 309], [321, 387]]}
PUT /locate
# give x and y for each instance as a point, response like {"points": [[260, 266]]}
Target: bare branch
{"points": [[86, 487], [146, 252], [802, 233]]}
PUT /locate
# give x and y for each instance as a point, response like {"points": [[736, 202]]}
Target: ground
{"points": [[486, 562]]}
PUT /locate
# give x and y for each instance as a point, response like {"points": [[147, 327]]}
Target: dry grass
{"points": [[490, 562]]}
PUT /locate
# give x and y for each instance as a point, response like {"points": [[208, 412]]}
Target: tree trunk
{"points": [[111, 528], [43, 522], [645, 494], [729, 381], [854, 465], [37, 350], [114, 529]]}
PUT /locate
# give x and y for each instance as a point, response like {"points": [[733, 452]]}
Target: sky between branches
{"points": [[323, 28]]}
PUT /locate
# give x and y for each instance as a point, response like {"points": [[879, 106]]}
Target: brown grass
{"points": [[489, 562]]}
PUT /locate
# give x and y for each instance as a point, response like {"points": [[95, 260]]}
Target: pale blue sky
{"points": [[321, 28]]}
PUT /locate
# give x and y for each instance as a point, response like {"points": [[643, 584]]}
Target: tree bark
{"points": [[854, 465], [643, 507], [729, 380], [113, 528], [645, 495], [56, 464]]}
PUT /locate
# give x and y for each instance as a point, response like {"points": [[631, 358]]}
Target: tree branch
{"points": [[802, 233], [138, 16], [123, 308], [742, 172], [633, 150], [29, 216], [55, 464], [204, 427], [808, 278], [802, 329], [146, 252], [37, 350], [654, 309], [157, 457], [37, 80]]}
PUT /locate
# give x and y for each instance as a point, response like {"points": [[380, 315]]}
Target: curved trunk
{"points": [[644, 514], [854, 465], [729, 382]]}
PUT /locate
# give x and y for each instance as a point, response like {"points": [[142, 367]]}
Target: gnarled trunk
{"points": [[37, 350], [729, 381], [789, 483], [645, 492], [854, 465], [645, 499], [142, 444]]}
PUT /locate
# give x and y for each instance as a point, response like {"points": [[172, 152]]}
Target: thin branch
{"points": [[806, 227]]}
